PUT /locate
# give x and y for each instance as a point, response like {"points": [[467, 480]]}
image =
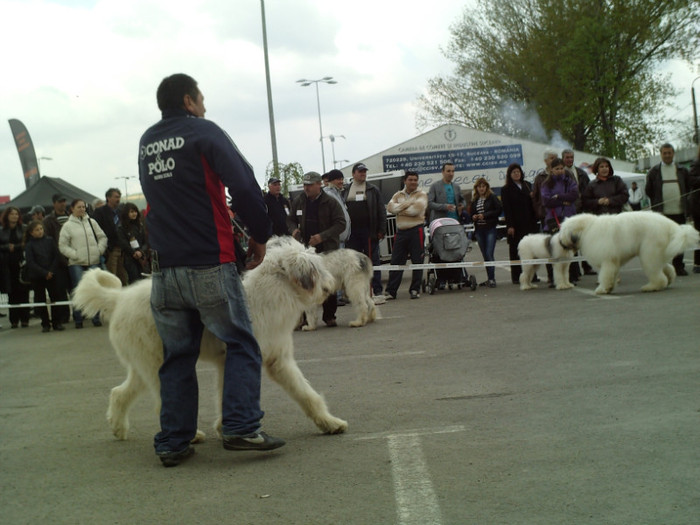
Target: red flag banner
{"points": [[25, 148]]}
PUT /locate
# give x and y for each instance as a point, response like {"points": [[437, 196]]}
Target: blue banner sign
{"points": [[485, 158]]}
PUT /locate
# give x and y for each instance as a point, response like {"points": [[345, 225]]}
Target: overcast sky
{"points": [[82, 76]]}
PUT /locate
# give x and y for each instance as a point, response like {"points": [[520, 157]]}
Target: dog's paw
{"points": [[308, 328], [332, 425], [199, 437], [602, 290], [525, 287], [566, 286], [357, 324], [120, 432], [651, 288]]}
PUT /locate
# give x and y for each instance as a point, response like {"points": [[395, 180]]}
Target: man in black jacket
{"points": [[277, 207], [108, 217], [367, 213], [317, 220], [667, 187]]}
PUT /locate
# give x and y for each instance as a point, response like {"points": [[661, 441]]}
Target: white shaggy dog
{"points": [[544, 246], [352, 272], [610, 241], [290, 279]]}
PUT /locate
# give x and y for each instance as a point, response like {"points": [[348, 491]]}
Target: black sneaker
{"points": [[173, 459], [97, 323], [59, 327], [414, 294], [256, 441]]}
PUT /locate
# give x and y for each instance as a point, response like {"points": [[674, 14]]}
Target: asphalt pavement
{"points": [[492, 406]]}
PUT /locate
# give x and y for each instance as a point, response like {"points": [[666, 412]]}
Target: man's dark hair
{"points": [[173, 89], [111, 192], [446, 164], [409, 173], [667, 145]]}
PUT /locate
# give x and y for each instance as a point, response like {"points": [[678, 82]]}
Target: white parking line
{"points": [[363, 356], [416, 501]]}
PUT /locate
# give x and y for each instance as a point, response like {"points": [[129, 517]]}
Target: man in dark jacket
{"points": [[667, 187], [108, 217], [367, 213], [277, 207], [185, 165], [316, 219]]}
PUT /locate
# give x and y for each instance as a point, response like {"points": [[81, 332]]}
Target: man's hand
{"points": [[256, 253], [315, 240]]}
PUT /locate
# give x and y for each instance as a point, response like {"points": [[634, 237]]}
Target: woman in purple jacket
{"points": [[559, 193]]}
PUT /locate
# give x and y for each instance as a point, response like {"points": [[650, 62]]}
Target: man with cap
{"points": [[367, 220], [316, 219], [53, 223], [334, 188], [277, 207]]}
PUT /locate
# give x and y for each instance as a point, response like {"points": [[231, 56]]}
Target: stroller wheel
{"points": [[472, 282]]}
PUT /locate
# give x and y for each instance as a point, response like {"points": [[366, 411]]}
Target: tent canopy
{"points": [[42, 192]]}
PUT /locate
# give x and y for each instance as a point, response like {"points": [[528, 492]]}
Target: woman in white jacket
{"points": [[82, 241]]}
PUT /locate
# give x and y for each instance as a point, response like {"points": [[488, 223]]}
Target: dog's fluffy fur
{"points": [[610, 241], [352, 272], [544, 246], [289, 280]]}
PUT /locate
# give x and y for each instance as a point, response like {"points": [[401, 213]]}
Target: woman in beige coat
{"points": [[83, 242]]}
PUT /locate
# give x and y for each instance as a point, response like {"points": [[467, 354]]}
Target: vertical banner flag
{"points": [[25, 148]]}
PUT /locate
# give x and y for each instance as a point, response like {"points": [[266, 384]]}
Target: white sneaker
{"points": [[379, 299]]}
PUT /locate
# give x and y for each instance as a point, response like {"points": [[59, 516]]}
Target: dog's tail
{"points": [[684, 238], [97, 291]]}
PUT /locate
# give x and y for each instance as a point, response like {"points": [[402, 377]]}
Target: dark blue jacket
{"points": [[42, 258], [185, 164]]}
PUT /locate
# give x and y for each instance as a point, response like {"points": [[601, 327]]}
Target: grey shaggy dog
{"points": [[352, 272]]}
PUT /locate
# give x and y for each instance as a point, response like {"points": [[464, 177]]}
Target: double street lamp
{"points": [[306, 82]]}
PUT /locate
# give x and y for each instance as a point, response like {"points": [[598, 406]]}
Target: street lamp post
{"points": [[39, 162], [695, 111], [306, 82], [126, 178], [332, 139]]}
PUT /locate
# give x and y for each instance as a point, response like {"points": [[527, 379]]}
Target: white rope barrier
{"points": [[383, 267], [475, 264]]}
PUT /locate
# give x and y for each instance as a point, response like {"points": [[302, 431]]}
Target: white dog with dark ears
{"points": [[352, 272], [290, 279], [544, 246], [610, 241]]}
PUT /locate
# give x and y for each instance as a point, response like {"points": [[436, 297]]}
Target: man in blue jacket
{"points": [[185, 164]]}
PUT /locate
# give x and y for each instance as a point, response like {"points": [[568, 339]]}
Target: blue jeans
{"points": [[184, 301], [76, 273], [360, 241], [486, 238]]}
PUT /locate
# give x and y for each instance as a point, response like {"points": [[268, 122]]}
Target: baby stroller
{"points": [[448, 243]]}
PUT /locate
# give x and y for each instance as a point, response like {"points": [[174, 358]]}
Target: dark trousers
{"points": [[360, 241], [330, 306], [678, 259], [58, 313], [406, 242], [133, 268], [19, 293]]}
